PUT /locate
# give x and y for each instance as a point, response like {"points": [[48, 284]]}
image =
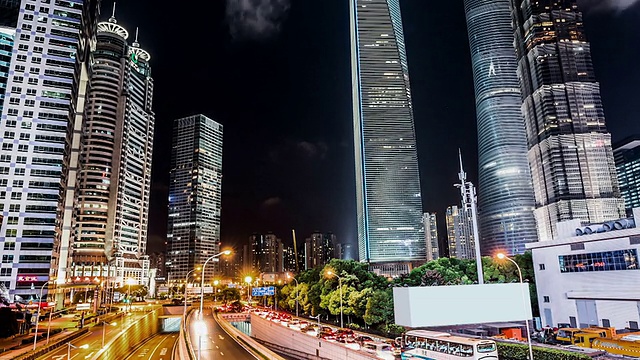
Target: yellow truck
{"points": [[606, 339]]}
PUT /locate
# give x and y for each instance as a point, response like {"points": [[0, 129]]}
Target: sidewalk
{"points": [[17, 341]]}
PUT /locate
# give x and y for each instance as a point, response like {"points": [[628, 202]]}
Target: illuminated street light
{"points": [[69, 346], [226, 252], [294, 279], [502, 256], [331, 273], [248, 280], [200, 328]]}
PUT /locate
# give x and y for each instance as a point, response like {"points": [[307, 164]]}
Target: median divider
{"points": [[258, 350]]}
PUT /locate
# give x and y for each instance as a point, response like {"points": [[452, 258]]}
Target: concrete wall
{"points": [[271, 332]]}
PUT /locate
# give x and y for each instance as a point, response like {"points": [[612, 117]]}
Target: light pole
{"points": [[70, 345], [226, 252], [215, 290], [331, 273], [294, 279], [129, 282], [502, 256], [248, 280], [104, 329], [35, 335], [186, 280]]}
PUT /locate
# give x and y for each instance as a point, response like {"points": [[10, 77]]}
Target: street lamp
{"points": [[201, 329], [226, 252], [129, 282], [248, 280], [331, 273], [104, 327], [186, 280], [502, 256], [294, 279], [69, 346], [35, 335], [215, 290]]}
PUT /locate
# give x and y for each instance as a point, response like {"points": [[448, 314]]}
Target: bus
{"points": [[432, 345]]}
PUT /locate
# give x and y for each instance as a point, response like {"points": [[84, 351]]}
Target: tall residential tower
{"points": [[195, 196], [389, 204], [570, 152], [505, 192]]}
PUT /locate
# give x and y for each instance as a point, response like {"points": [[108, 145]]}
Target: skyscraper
{"points": [[7, 35], [460, 233], [195, 195], [35, 124], [505, 191], [570, 152], [431, 236], [627, 157], [319, 249], [9, 13], [389, 205], [113, 174]]}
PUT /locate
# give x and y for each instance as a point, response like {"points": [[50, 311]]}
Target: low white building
{"points": [[590, 275]]}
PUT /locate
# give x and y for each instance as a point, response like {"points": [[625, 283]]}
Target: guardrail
{"points": [[34, 354], [247, 342]]}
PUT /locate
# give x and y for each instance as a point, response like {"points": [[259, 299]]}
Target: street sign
{"points": [[263, 291]]}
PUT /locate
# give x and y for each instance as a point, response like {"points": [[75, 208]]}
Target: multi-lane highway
{"points": [[215, 344], [159, 347]]}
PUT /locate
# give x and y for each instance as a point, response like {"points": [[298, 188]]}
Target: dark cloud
{"points": [[272, 201], [607, 5], [299, 151], [255, 19]]}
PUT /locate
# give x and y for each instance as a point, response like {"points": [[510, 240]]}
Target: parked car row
{"points": [[346, 337]]}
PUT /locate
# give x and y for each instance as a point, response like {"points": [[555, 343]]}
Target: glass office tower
{"points": [[570, 151], [389, 205], [627, 157], [195, 196], [505, 191]]}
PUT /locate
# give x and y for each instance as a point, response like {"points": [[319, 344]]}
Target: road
{"points": [[159, 347], [92, 341], [216, 344]]}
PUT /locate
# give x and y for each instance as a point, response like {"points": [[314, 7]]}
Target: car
{"points": [[361, 339], [345, 332]]}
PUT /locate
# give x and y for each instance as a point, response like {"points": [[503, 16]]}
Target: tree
{"points": [[230, 295], [379, 308]]}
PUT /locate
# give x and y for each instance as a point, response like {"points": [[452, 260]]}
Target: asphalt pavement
{"points": [[159, 347], [88, 344], [215, 344]]}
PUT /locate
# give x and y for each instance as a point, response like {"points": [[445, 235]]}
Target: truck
{"points": [[606, 339]]}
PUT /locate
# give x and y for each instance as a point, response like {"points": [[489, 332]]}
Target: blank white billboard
{"points": [[461, 304]]}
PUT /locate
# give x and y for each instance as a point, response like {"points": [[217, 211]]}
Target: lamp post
{"points": [[226, 252], [70, 345], [215, 290], [186, 280], [35, 335], [201, 329], [104, 329], [331, 273], [248, 280], [294, 279], [129, 282], [502, 256]]}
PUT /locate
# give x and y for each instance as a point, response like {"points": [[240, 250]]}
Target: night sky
{"points": [[281, 86]]}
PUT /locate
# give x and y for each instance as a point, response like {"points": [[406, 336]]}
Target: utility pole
{"points": [[469, 203], [295, 251]]}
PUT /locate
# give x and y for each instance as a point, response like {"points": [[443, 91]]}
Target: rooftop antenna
{"points": [[469, 203], [112, 19], [135, 42]]}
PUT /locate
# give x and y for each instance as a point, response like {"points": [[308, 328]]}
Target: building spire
{"points": [[462, 175], [135, 42], [112, 19]]}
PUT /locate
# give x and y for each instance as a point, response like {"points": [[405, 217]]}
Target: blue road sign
{"points": [[263, 291]]}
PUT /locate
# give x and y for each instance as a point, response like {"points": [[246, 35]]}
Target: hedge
{"points": [[507, 351]]}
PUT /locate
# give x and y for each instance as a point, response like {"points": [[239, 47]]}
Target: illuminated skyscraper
{"points": [[505, 192], [570, 152], [431, 236], [627, 156], [460, 233], [43, 99], [389, 205], [195, 196]]}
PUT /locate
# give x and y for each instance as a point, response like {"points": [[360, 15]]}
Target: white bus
{"points": [[432, 345]]}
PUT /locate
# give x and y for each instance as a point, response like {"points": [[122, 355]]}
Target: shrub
{"points": [[507, 351]]}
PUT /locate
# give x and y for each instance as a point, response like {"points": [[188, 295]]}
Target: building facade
{"points": [[505, 190], [590, 279], [570, 153], [431, 236], [319, 249], [460, 233], [388, 198], [50, 45], [7, 35], [9, 10], [195, 196], [627, 158]]}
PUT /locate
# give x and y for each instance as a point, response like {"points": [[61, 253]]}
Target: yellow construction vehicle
{"points": [[606, 339]]}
